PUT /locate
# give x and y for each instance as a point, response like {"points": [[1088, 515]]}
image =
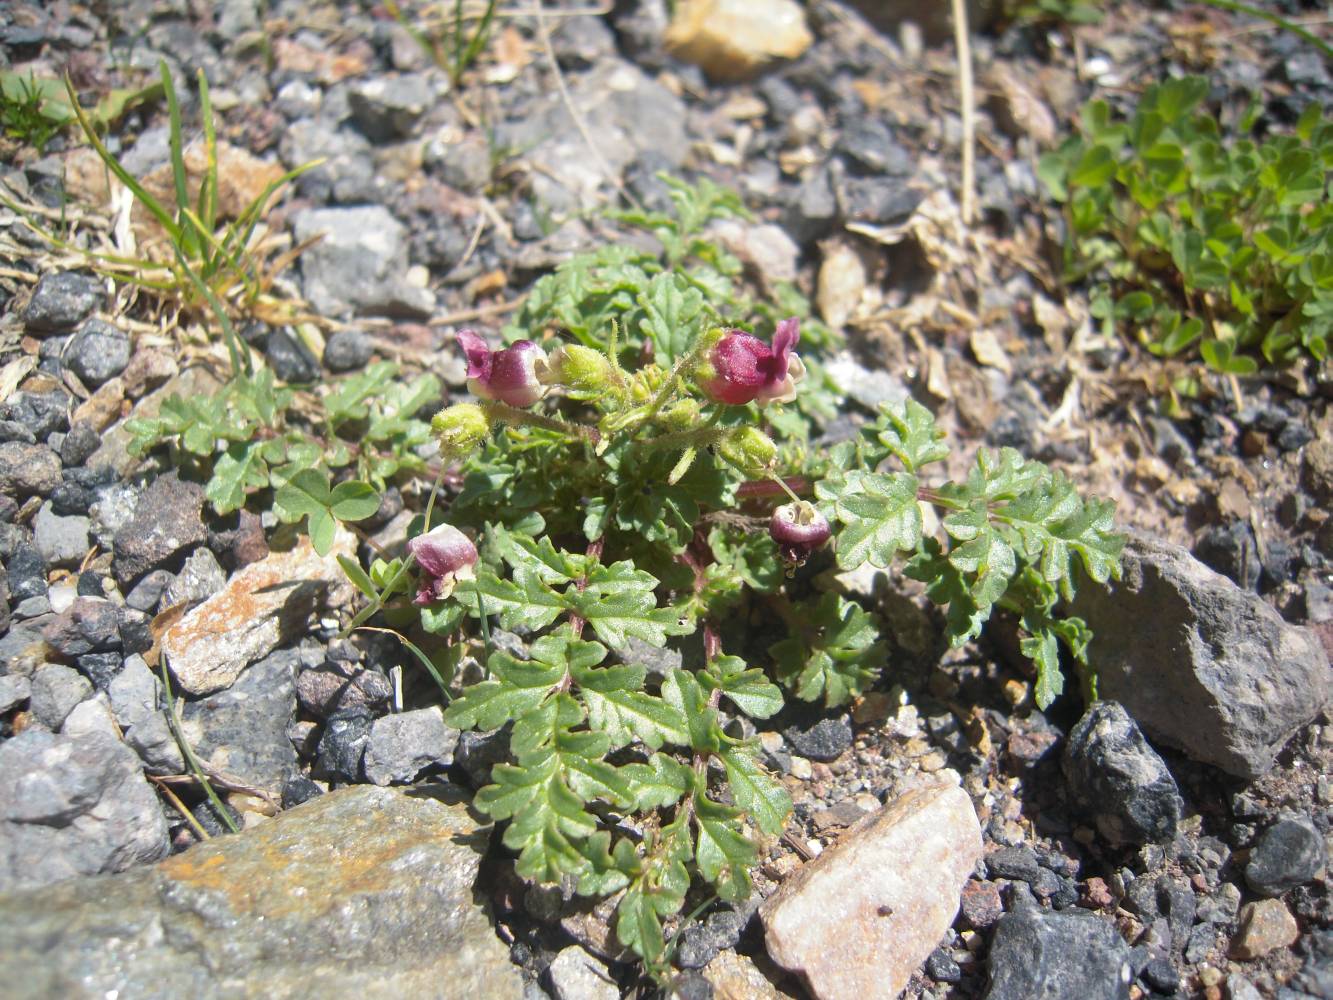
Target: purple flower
{"points": [[507, 376], [742, 368], [799, 529], [445, 556]]}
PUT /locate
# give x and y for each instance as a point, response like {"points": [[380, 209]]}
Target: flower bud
{"points": [[740, 368], [749, 449], [798, 528], [445, 556], [683, 415], [509, 376], [578, 368], [460, 428]]}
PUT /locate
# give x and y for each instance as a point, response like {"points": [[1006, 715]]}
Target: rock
{"points": [[735, 39], [199, 579], [73, 805], [147, 593], [135, 694], [55, 690], [28, 469], [1265, 926], [813, 209], [1043, 955], [1207, 668], [402, 746], [576, 975], [242, 731], [765, 249], [343, 745], [335, 686], [869, 144], [870, 388], [93, 715], [1118, 780], [41, 412], [62, 541], [347, 174], [100, 668], [701, 942], [858, 920], [1317, 470], [387, 108], [359, 265], [1232, 551], [1161, 975], [15, 689], [261, 606], [61, 301], [375, 885], [167, 520], [81, 441], [826, 740], [347, 351], [89, 625], [1240, 988], [1291, 852], [27, 573], [1316, 974], [738, 977], [980, 904], [98, 352], [289, 357]]}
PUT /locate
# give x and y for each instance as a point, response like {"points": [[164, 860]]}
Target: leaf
{"points": [[518, 687], [673, 315], [749, 690], [618, 603], [354, 501], [722, 852], [835, 655], [239, 468], [358, 576], [682, 692], [658, 784], [879, 515], [908, 431], [618, 706], [756, 791]]}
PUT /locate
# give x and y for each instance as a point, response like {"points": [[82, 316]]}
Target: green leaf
{"points": [[673, 315], [360, 580], [835, 653], [909, 433], [618, 706], [618, 603], [353, 501], [518, 687], [681, 690], [879, 515], [756, 791], [749, 690], [239, 468], [722, 852], [658, 784]]}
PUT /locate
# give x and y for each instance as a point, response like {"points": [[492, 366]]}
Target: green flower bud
{"points": [[578, 368], [460, 428], [749, 449], [682, 415]]}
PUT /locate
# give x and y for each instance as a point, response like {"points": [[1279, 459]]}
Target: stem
{"points": [[669, 386], [968, 198], [788, 489], [512, 415], [792, 485]]}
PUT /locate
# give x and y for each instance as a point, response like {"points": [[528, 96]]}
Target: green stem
{"points": [[512, 415], [669, 386], [197, 769]]}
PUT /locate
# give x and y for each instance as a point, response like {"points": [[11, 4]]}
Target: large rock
{"points": [[364, 892], [263, 604], [1199, 663], [1042, 955], [359, 263], [1118, 780], [72, 805], [858, 920]]}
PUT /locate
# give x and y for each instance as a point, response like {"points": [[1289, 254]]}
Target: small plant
{"points": [[33, 110], [1054, 11], [1200, 240], [451, 41], [635, 486]]}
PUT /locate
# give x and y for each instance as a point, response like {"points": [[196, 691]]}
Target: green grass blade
{"points": [[1277, 19], [208, 187]]}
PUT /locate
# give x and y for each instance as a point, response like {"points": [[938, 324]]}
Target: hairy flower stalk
{"points": [[799, 529], [445, 556], [740, 368], [511, 376]]}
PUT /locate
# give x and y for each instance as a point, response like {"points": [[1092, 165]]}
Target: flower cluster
{"points": [[742, 369]]}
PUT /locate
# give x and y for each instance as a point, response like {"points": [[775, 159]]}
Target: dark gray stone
{"points": [[147, 593], [100, 668], [359, 265], [27, 573], [387, 108], [88, 625], [1207, 667], [98, 352], [242, 731], [62, 541], [136, 701], [28, 469], [343, 744], [365, 892], [335, 686], [1231, 550], [347, 351], [73, 805], [1117, 779], [869, 144], [55, 690], [402, 746], [1040, 955], [289, 358], [167, 520], [61, 301], [477, 753], [813, 210], [701, 942], [71, 499], [941, 967], [874, 201], [42, 413], [826, 740], [1289, 853], [15, 689], [1161, 975], [79, 444]]}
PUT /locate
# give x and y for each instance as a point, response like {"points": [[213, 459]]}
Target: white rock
{"points": [[734, 39], [858, 921], [576, 975], [401, 746]]}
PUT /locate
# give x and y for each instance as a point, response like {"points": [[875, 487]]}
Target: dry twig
{"points": [[968, 197]]}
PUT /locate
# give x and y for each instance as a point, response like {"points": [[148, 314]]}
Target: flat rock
{"points": [[166, 520], [375, 885], [1043, 955], [262, 604], [72, 804], [861, 918], [735, 39], [1207, 667], [62, 541], [1117, 779], [576, 975]]}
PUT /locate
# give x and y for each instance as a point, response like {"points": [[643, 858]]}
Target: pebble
{"points": [[825, 740], [343, 744], [347, 350], [735, 39], [1041, 953], [199, 579], [28, 469], [62, 541], [402, 746], [701, 942], [61, 301], [575, 975], [166, 520], [100, 668], [15, 689], [334, 686], [359, 265], [1118, 780], [289, 357], [135, 694], [388, 108], [81, 441], [1265, 926], [861, 918], [1289, 853], [98, 352], [89, 625]]}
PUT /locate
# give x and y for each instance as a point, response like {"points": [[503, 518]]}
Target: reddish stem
{"points": [[768, 488]]}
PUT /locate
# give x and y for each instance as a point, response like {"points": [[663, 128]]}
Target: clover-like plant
{"points": [[622, 520]]}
